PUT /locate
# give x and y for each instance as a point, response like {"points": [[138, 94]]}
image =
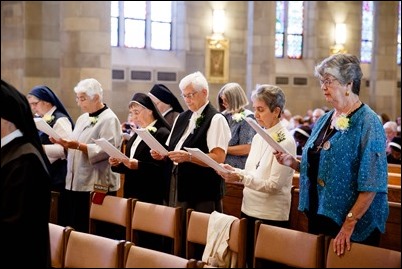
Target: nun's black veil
{"points": [[15, 108], [145, 100]]}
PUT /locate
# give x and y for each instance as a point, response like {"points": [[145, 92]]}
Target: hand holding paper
{"points": [[206, 159], [44, 127], [151, 141], [110, 149]]}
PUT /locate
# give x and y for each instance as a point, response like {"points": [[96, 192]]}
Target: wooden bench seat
{"points": [[394, 179], [394, 193], [391, 239], [394, 168]]}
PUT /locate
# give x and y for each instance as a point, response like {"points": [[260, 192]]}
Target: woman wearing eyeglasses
{"points": [[343, 170], [87, 163], [144, 176], [44, 103]]}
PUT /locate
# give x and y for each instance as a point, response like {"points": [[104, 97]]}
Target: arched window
{"points": [[289, 29], [141, 24], [366, 48]]}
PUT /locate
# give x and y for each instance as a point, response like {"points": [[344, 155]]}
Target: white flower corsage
{"points": [[279, 136], [342, 123], [93, 120], [237, 117], [151, 129], [48, 118]]}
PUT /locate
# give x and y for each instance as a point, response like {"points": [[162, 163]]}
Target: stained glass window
{"points": [[367, 31], [289, 29], [142, 24]]}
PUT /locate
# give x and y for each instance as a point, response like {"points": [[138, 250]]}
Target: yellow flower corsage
{"points": [[342, 123], [279, 136]]}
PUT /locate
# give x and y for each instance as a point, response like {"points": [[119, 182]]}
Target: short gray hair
{"points": [[272, 95], [344, 67], [90, 87]]}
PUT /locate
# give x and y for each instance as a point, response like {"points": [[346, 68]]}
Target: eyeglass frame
{"points": [[81, 98], [189, 95], [327, 82], [35, 103], [136, 112]]}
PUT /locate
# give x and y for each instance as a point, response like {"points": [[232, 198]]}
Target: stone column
{"points": [[260, 44], [383, 72], [85, 48]]}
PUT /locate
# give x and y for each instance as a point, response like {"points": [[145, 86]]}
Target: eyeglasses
{"points": [[34, 103], [327, 82], [80, 98], [189, 95], [136, 112]]}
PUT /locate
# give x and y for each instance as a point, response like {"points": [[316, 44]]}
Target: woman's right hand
{"points": [[286, 159], [114, 161], [156, 155]]}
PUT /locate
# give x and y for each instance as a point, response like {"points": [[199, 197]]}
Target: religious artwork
{"points": [[217, 60]]}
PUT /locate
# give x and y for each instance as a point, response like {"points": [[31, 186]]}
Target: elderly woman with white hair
{"points": [[87, 164], [391, 130]]}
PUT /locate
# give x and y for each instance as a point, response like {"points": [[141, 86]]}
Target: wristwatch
{"points": [[351, 216]]}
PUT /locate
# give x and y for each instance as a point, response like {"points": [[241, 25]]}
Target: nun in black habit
{"points": [[24, 185]]}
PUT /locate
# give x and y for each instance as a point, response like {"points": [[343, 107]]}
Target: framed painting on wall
{"points": [[217, 60]]}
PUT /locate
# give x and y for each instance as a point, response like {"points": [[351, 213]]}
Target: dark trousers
{"points": [[319, 224], [77, 209], [250, 234]]}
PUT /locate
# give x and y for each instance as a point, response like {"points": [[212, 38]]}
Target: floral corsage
{"points": [[93, 120], [48, 118], [237, 117], [151, 129], [279, 136], [342, 123]]}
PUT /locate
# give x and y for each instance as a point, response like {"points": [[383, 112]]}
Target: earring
{"points": [[347, 93]]}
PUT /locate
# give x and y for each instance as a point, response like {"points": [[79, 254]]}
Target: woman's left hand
{"points": [[342, 239]]}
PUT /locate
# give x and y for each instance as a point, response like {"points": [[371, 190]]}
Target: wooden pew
{"points": [[394, 168], [394, 179], [394, 193], [296, 178], [391, 239], [298, 220], [233, 198]]}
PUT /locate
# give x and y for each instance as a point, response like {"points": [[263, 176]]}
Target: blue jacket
{"points": [[355, 162]]}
